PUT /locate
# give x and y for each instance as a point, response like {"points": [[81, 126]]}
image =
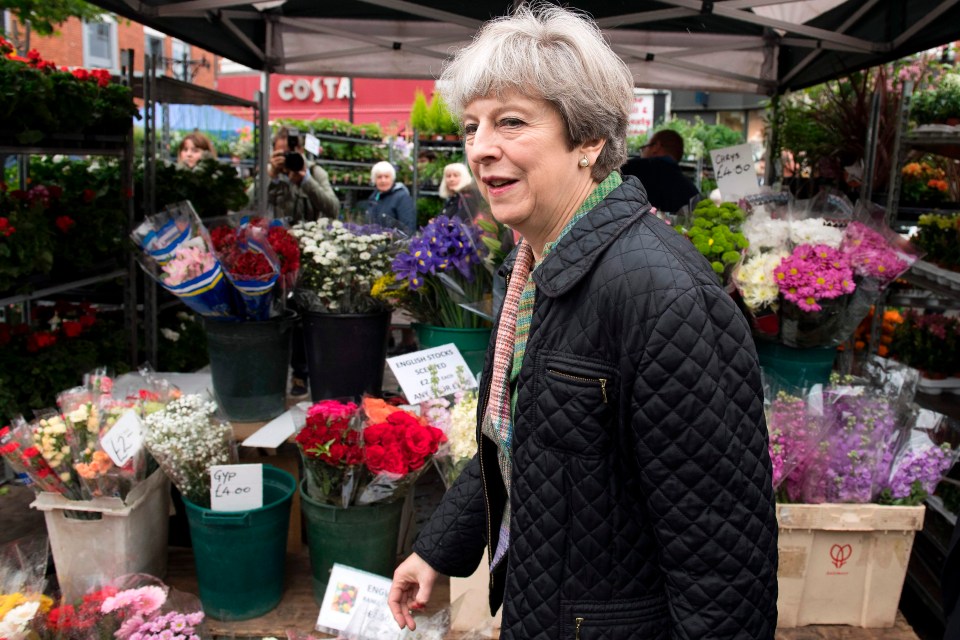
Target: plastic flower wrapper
{"points": [[48, 435], [81, 413], [441, 274], [144, 608], [917, 469], [814, 281], [856, 452], [456, 416], [186, 439], [794, 431], [252, 265], [16, 447], [878, 256], [339, 264], [375, 622], [178, 253], [23, 606], [99, 381], [755, 281], [329, 444], [820, 220]]}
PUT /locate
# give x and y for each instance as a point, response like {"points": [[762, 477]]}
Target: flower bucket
{"points": [[240, 555], [126, 538], [362, 537], [472, 343], [346, 353], [248, 364], [797, 367], [843, 563], [803, 329]]}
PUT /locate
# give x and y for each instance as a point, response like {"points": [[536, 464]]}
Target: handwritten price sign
{"points": [[124, 439], [236, 487], [735, 172]]}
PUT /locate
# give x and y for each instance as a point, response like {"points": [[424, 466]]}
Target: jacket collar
{"points": [[576, 253]]}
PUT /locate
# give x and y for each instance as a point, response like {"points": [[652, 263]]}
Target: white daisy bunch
{"points": [[339, 264], [186, 439], [765, 233], [814, 231], [756, 281]]}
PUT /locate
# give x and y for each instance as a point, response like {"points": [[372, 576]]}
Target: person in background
{"points": [[193, 148], [461, 198], [298, 190], [659, 172], [622, 486], [390, 204]]}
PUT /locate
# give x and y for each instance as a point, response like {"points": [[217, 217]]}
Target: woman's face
{"points": [[451, 177], [524, 168], [189, 154], [383, 182]]}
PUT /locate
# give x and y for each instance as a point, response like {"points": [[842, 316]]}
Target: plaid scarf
{"points": [[510, 347]]}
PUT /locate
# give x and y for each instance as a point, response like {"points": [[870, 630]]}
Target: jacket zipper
{"points": [[579, 622], [602, 381]]}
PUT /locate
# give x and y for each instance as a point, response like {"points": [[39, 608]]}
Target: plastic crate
{"points": [[843, 563], [128, 537]]}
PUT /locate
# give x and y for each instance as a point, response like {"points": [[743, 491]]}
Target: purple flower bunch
{"points": [[793, 434], [442, 246], [173, 625], [812, 273], [871, 254], [854, 458], [916, 473]]}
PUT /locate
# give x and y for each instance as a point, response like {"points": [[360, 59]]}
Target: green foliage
{"points": [[939, 102], [715, 232], [427, 209], [26, 242], [699, 138], [45, 15], [182, 343], [938, 237], [213, 189], [418, 112], [439, 119], [930, 342]]}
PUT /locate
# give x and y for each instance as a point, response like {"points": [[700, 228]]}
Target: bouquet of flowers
{"points": [[186, 439], [340, 262], [261, 259], [23, 568], [794, 434], [917, 469], [456, 416], [715, 232], [441, 273], [362, 455]]}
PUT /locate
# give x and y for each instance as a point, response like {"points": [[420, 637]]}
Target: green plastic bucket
{"points": [[472, 343], [797, 367], [248, 366], [362, 537], [240, 555]]}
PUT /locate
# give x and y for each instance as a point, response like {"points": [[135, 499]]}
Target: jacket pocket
{"points": [[575, 405], [645, 618]]}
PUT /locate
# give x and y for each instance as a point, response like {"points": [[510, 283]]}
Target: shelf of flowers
{"points": [[942, 140]]}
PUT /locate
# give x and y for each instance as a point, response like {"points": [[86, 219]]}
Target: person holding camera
{"points": [[298, 189]]}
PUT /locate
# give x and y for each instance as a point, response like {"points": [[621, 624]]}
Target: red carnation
{"points": [[87, 320], [223, 237], [64, 223], [6, 229], [72, 328], [89, 195]]}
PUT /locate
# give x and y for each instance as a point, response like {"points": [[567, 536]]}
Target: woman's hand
{"points": [[412, 584]]}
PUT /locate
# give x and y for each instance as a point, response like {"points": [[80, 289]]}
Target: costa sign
{"points": [[313, 89]]}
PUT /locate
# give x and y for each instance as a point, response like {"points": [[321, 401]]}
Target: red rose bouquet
{"points": [[363, 455]]}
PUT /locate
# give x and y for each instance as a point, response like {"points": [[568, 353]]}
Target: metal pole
{"points": [[127, 186], [770, 171], [263, 97], [350, 99], [150, 310], [870, 148]]}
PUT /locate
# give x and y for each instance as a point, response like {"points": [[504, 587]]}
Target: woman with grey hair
{"points": [[622, 486], [459, 192], [390, 204]]}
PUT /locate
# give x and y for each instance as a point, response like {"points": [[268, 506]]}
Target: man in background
{"points": [[659, 170]]}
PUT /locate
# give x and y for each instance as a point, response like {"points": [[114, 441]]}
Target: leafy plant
{"points": [[939, 102], [427, 210], [439, 119], [938, 236], [418, 113]]}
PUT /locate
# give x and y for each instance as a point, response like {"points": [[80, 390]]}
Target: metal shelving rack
{"points": [[90, 145], [443, 146], [351, 190]]}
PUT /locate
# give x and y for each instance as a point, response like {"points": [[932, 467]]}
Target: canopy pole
{"points": [[265, 146], [770, 171]]}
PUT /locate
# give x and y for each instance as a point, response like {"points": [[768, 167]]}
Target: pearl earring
{"points": [[584, 162]]}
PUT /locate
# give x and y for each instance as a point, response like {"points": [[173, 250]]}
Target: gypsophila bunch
{"points": [[755, 280], [186, 439], [815, 231], [339, 264]]}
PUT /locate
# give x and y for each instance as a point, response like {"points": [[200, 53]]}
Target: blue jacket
{"points": [[394, 208]]}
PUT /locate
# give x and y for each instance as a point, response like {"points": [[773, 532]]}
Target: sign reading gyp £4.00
{"points": [[314, 89]]}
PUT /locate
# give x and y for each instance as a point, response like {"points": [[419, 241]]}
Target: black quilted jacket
{"points": [[642, 499]]}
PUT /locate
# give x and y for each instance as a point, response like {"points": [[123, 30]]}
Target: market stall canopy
{"points": [[754, 46]]}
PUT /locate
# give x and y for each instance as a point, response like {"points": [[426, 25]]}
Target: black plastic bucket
{"points": [[346, 353]]}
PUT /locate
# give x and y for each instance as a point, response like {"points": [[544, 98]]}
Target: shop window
{"points": [[100, 45], [180, 52], [735, 120], [153, 44]]}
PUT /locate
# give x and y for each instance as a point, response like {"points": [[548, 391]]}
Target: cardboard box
{"points": [[471, 603], [843, 563]]}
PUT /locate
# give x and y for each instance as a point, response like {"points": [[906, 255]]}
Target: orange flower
{"points": [[377, 409]]}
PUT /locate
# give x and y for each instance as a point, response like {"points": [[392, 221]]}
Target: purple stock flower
{"points": [[925, 466]]}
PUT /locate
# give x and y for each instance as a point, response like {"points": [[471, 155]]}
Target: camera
{"points": [[293, 160]]}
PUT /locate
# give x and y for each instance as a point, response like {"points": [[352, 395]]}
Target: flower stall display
{"points": [[26, 240], [930, 343], [23, 605], [924, 182], [715, 230], [938, 236], [456, 416], [186, 439], [359, 455]]}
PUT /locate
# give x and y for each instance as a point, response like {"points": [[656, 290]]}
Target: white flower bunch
{"points": [[813, 231], [765, 233], [15, 624], [462, 435], [186, 439], [340, 262], [756, 281]]}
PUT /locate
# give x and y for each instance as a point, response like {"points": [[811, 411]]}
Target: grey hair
{"points": [[465, 178], [382, 167], [559, 55]]}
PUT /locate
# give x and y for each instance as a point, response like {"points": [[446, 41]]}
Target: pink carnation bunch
{"points": [[870, 254], [138, 602], [813, 273], [188, 263]]}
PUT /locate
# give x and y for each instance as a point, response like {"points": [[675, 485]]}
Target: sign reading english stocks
{"points": [[314, 89]]}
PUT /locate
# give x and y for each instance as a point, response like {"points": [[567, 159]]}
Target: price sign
{"points": [[124, 439], [236, 487], [735, 172], [312, 144], [432, 373], [353, 593]]}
